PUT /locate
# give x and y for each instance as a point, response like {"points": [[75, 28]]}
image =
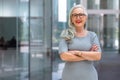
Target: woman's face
{"points": [[78, 17]]}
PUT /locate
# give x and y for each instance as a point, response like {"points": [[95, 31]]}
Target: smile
{"points": [[78, 21]]}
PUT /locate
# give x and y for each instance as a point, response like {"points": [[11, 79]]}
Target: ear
{"points": [[86, 17]]}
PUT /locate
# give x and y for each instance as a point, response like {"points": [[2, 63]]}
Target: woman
{"points": [[79, 48]]}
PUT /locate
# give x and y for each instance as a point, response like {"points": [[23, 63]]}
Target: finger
{"points": [[94, 47]]}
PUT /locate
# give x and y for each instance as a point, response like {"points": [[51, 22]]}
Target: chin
{"points": [[79, 25]]}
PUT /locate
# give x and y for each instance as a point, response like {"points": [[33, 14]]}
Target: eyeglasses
{"points": [[78, 15]]}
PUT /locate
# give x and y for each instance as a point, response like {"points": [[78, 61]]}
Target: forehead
{"points": [[78, 10]]}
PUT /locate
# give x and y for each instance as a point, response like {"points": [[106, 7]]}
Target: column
{"points": [[119, 27]]}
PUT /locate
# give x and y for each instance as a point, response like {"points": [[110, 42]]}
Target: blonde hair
{"points": [[69, 33]]}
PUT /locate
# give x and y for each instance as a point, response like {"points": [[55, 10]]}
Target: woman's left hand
{"points": [[94, 47]]}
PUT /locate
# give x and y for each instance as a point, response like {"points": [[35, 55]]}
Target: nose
{"points": [[78, 17]]}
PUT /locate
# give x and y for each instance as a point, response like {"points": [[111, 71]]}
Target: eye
{"points": [[78, 15], [81, 14], [74, 15]]}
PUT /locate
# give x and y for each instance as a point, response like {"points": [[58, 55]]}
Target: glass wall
{"points": [[25, 39], [14, 40]]}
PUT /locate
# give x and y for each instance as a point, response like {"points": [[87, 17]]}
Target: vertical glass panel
{"points": [[14, 45], [40, 40], [109, 4], [36, 40], [1, 7], [103, 4], [23, 39], [93, 23], [7, 52], [93, 4], [111, 31]]}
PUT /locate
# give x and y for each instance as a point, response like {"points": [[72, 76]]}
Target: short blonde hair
{"points": [[70, 14]]}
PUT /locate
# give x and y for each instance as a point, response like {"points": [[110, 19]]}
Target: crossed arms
{"points": [[74, 55]]}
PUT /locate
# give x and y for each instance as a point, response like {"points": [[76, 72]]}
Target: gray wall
{"points": [[7, 27]]}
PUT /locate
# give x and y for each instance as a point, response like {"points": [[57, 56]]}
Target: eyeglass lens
{"points": [[78, 15]]}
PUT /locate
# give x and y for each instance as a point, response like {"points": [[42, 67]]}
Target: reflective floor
{"points": [[16, 65], [13, 67]]}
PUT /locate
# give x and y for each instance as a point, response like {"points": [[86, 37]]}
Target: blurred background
{"points": [[30, 33]]}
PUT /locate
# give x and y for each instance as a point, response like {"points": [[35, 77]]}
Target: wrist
{"points": [[80, 53]]}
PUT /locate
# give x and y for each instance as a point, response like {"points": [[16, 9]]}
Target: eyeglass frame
{"points": [[80, 15]]}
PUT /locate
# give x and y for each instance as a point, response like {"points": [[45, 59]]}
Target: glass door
{"points": [[40, 40]]}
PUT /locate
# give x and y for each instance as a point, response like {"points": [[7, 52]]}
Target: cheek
{"points": [[72, 20], [84, 21]]}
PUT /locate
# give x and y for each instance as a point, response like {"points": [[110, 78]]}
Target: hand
{"points": [[94, 47]]}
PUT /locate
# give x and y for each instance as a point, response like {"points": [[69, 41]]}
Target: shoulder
{"points": [[91, 33], [62, 41]]}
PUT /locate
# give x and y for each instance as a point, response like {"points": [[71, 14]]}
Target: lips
{"points": [[78, 21]]}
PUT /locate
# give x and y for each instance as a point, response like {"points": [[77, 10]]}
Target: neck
{"points": [[80, 30]]}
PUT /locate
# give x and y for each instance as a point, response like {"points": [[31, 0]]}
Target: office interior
{"points": [[30, 33]]}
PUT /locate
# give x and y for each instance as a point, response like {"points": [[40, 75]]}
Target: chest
{"points": [[83, 44]]}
